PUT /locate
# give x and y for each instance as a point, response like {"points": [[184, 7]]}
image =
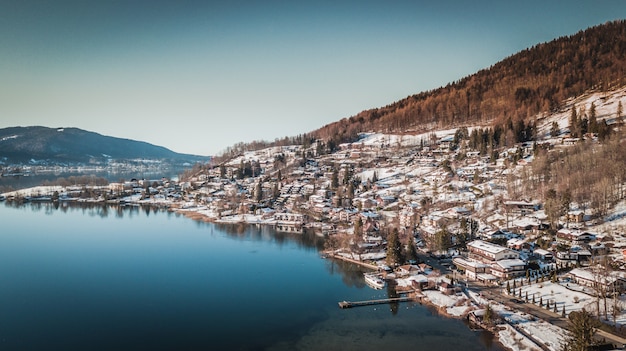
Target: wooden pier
{"points": [[348, 304]]}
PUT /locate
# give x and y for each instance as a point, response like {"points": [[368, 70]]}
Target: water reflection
{"points": [[184, 285], [241, 231]]}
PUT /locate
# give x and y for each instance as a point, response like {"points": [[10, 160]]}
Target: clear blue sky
{"points": [[199, 76]]}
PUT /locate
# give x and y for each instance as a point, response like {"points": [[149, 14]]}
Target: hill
{"points": [[73, 145], [534, 82]]}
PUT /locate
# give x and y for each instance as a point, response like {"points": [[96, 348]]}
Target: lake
{"points": [[130, 278]]}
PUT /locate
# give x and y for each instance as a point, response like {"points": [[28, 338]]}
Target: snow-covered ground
{"points": [[605, 104], [454, 305], [514, 321]]}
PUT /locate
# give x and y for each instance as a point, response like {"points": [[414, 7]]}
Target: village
{"points": [[468, 245]]}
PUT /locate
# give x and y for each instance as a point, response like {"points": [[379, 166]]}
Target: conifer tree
{"points": [[582, 330], [411, 250], [334, 179], [573, 122], [554, 130], [394, 248], [593, 123]]}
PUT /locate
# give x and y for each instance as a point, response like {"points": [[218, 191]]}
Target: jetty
{"points": [[349, 304], [330, 254]]}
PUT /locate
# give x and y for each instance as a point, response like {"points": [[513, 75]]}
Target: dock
{"points": [[330, 254], [349, 304]]}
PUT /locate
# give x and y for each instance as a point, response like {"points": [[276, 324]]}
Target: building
{"points": [[582, 257], [509, 268], [488, 252], [574, 237], [290, 218], [520, 207], [609, 281], [544, 255], [472, 269]]}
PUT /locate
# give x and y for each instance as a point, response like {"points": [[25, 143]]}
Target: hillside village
{"points": [[430, 193]]}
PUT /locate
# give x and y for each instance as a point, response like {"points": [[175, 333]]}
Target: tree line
{"points": [[536, 80]]}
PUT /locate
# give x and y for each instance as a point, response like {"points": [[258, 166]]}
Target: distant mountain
{"points": [[535, 81], [75, 146]]}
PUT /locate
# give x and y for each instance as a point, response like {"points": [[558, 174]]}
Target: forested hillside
{"points": [[63, 145], [534, 81]]}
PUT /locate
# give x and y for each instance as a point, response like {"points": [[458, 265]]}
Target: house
{"points": [[591, 277], [446, 288], [419, 282], [574, 237], [544, 255], [509, 268], [576, 216], [408, 270], [385, 200], [459, 211], [290, 218], [488, 252], [520, 207], [516, 244], [472, 268], [573, 257], [407, 217], [498, 234], [598, 249]]}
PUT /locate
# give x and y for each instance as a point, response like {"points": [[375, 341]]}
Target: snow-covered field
{"points": [[569, 295]]}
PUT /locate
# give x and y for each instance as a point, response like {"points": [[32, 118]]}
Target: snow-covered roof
{"points": [[486, 247], [510, 263], [542, 252], [467, 263]]}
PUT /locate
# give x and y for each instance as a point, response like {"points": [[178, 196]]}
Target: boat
{"points": [[374, 281]]}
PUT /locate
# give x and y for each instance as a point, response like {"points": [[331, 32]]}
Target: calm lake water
{"points": [[105, 278]]}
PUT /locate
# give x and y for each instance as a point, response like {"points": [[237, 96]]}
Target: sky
{"points": [[199, 76]]}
